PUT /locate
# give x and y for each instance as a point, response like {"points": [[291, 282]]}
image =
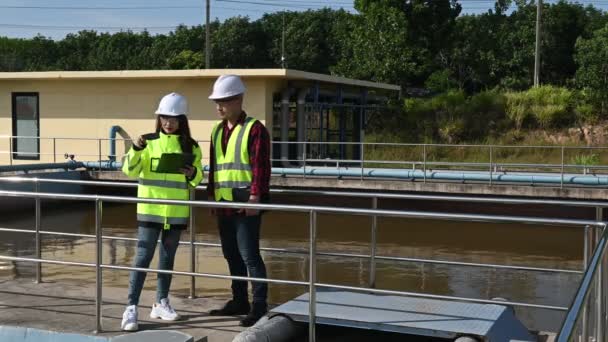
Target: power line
{"points": [[100, 8], [111, 28], [268, 4]]}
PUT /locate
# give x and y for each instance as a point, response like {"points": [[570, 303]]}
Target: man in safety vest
{"points": [[239, 172]]}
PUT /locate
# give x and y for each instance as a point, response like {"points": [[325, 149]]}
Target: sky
{"points": [[27, 18]]}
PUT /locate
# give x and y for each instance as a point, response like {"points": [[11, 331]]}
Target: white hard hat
{"points": [[173, 104], [227, 86]]}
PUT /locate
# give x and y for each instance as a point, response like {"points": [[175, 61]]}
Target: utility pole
{"points": [[539, 6], [207, 37], [283, 44]]}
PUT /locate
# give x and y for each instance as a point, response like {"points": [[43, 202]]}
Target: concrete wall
{"points": [[87, 108]]}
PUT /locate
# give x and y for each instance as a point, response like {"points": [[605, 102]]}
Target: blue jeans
{"points": [[240, 236], [146, 244]]}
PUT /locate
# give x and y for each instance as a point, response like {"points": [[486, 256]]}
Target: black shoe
{"points": [[231, 308], [258, 311]]}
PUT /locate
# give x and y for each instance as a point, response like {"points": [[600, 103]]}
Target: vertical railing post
{"points": [[424, 161], [373, 246], [599, 283], [192, 247], [38, 248], [562, 171], [588, 250], [491, 163], [362, 151], [98, 262], [304, 159], [10, 149], [99, 146], [312, 278], [602, 281], [54, 150]]}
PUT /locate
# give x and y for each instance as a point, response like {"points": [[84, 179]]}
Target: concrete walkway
{"points": [[70, 307]]}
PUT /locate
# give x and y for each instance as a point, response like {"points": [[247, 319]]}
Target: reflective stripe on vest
{"points": [[232, 170]]}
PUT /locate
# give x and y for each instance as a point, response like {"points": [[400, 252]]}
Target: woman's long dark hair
{"points": [[185, 139]]}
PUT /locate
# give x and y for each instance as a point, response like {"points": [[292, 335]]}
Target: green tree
{"points": [[592, 73], [313, 39], [377, 48], [239, 43]]}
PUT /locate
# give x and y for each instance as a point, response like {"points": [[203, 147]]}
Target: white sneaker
{"points": [[164, 311], [129, 319]]}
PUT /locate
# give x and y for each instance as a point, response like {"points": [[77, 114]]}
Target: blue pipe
{"points": [[70, 165], [356, 172], [113, 130], [108, 165], [444, 175]]}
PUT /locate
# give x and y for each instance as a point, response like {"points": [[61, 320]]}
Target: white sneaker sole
{"points": [[130, 327], [155, 316]]}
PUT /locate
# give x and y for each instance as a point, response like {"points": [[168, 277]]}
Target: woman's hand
{"points": [[140, 142], [188, 171]]}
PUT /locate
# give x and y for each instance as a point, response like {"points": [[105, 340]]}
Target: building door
{"points": [[26, 126]]}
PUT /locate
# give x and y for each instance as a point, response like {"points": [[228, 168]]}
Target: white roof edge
{"points": [[297, 74], [192, 73]]}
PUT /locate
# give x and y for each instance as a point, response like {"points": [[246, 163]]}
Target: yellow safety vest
{"points": [[232, 170], [142, 164]]}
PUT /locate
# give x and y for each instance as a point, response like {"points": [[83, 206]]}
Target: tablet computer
{"points": [[172, 162]]}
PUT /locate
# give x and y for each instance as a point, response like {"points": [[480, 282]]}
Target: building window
{"points": [[26, 126]]}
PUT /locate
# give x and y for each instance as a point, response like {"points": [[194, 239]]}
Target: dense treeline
{"points": [[426, 44]]}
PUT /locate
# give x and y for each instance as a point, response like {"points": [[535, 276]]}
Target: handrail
{"points": [[339, 143], [579, 302], [308, 208], [370, 195], [313, 211]]}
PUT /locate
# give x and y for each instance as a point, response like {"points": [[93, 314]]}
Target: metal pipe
{"points": [[444, 175], [99, 146], [343, 255], [98, 263], [10, 148], [308, 208], [582, 204], [312, 278], [54, 150], [37, 227], [491, 165], [291, 282], [562, 171], [424, 160], [587, 249], [599, 284], [373, 246], [362, 151], [582, 294], [192, 247]]}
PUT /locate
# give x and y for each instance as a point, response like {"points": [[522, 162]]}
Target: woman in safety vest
{"points": [[167, 221]]}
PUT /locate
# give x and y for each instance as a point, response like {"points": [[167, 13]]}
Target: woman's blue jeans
{"points": [[146, 244]]}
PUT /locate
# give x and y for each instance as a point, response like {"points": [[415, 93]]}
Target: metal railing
{"points": [[587, 318], [374, 197], [422, 159], [312, 254]]}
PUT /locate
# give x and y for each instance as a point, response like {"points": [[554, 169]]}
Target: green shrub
{"points": [[586, 159], [546, 106]]}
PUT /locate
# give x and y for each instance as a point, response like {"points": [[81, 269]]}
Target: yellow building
{"points": [[46, 115]]}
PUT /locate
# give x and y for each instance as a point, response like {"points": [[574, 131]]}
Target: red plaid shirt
{"points": [[259, 159]]}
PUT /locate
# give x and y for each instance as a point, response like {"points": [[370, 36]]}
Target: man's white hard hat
{"points": [[227, 86], [173, 104]]}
